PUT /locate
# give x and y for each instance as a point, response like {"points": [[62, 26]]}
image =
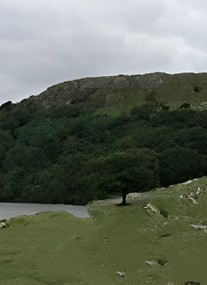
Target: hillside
{"points": [[92, 138], [56, 248], [123, 91]]}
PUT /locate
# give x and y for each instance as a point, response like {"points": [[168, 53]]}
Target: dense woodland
{"points": [[74, 154]]}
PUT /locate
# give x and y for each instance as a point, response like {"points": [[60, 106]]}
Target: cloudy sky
{"points": [[43, 42]]}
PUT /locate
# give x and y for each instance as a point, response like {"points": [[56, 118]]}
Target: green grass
{"points": [[174, 91], [180, 88], [56, 248], [116, 102]]}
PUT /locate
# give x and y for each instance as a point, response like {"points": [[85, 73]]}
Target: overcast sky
{"points": [[43, 42]]}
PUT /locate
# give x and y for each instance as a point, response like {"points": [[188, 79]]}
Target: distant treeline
{"points": [[73, 154]]}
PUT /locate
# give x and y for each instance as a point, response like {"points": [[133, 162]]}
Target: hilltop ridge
{"points": [[111, 90]]}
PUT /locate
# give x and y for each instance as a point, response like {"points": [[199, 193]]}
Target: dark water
{"points": [[11, 210]]}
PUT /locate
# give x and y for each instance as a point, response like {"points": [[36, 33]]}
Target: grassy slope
{"points": [[115, 94], [179, 89], [173, 92], [56, 248]]}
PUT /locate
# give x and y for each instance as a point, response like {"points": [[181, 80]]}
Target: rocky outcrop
{"points": [[3, 224], [79, 90]]}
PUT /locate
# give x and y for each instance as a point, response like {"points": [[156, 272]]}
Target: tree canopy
{"points": [[75, 154]]}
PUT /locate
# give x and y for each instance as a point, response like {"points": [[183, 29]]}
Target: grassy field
{"points": [[58, 249]]}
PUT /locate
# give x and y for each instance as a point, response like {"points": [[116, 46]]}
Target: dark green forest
{"points": [[76, 153]]}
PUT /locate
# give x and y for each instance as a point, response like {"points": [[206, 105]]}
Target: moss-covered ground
{"points": [[58, 249]]}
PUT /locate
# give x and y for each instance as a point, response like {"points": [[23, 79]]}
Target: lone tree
{"points": [[134, 170]]}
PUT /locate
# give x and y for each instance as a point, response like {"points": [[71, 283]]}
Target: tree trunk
{"points": [[123, 203]]}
